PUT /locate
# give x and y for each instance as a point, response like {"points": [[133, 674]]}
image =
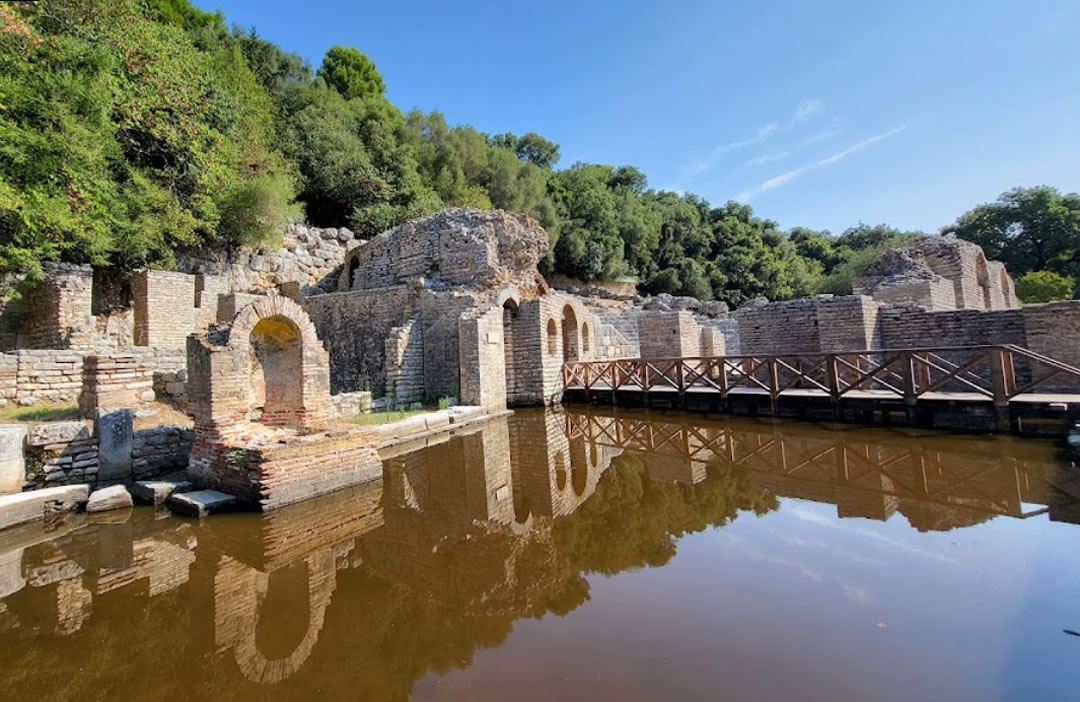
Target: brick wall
{"points": [[779, 327], [353, 328], [59, 308], [1053, 329], [914, 327], [483, 360], [669, 335], [848, 323], [41, 375], [128, 378], [164, 304]]}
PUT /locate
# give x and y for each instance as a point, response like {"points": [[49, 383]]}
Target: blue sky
{"points": [[817, 113]]}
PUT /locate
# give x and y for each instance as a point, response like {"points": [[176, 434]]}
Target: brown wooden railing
{"points": [[999, 373]]}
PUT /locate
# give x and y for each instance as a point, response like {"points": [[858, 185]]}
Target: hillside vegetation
{"points": [[131, 130]]}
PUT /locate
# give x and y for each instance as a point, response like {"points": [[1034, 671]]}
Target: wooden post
{"points": [[1000, 385]]}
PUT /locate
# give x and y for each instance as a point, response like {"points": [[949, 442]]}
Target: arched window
{"points": [[552, 337], [584, 338]]}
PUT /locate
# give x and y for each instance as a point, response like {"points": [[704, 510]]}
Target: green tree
{"points": [[1029, 229], [351, 73], [1044, 286]]}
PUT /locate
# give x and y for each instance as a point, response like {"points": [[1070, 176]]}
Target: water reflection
{"points": [[362, 592]]}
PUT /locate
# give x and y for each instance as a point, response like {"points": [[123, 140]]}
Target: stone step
{"points": [[201, 502], [155, 492]]}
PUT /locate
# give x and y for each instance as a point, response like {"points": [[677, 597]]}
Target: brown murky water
{"points": [[582, 556]]}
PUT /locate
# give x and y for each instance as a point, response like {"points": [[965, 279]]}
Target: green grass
{"points": [[377, 418], [39, 413]]}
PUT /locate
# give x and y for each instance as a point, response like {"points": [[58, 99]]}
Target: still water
{"points": [[579, 555]]}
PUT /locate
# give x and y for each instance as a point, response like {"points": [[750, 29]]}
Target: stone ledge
{"points": [[23, 507]]}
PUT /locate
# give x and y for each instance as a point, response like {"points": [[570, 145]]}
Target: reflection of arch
{"points": [[569, 334], [584, 339], [552, 338], [579, 477], [239, 593], [560, 470]]}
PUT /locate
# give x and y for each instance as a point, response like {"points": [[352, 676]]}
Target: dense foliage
{"points": [[131, 130], [1043, 286]]}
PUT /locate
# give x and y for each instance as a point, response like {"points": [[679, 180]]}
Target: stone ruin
{"points": [[939, 273], [281, 343], [259, 391]]}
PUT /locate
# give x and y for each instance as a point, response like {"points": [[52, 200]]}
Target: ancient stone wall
{"points": [[669, 335], [59, 308], [41, 376], [308, 255], [482, 358], [914, 327], [404, 365], [439, 314], [354, 328], [164, 308], [1053, 329], [129, 379], [455, 248], [848, 323], [779, 327], [347, 405], [68, 453]]}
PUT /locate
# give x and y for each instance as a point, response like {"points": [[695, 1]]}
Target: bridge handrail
{"points": [[905, 372]]}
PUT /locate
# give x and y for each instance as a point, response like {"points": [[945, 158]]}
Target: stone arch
{"points": [[552, 337], [1006, 288], [586, 342], [571, 349]]}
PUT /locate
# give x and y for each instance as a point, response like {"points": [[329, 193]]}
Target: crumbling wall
{"points": [[404, 366], [129, 379], [467, 248], [910, 326], [483, 359], [310, 256], [59, 308]]}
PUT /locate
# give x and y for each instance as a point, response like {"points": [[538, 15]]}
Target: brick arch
{"points": [[272, 306], [982, 277]]}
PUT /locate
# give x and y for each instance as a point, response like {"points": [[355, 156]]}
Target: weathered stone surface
{"points": [[22, 507], [115, 438], [110, 498], [155, 492], [57, 432], [12, 463], [200, 503]]}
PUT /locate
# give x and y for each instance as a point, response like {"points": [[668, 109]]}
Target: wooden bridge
{"points": [[981, 388]]}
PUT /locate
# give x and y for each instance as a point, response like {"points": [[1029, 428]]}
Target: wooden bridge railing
{"points": [[999, 373]]}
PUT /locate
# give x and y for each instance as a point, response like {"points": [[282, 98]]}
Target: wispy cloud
{"points": [[766, 158], [807, 109], [823, 136], [784, 178], [703, 164]]}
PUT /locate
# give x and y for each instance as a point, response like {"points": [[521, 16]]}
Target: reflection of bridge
{"points": [[971, 387], [864, 472]]}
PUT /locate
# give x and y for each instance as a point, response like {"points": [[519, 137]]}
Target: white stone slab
{"points": [[201, 502]]}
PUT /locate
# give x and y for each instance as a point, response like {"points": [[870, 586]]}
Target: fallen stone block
{"points": [[57, 433], [200, 503], [105, 499], [155, 492], [24, 507]]}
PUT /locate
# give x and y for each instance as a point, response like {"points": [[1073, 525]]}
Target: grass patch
{"points": [[39, 413], [373, 419]]}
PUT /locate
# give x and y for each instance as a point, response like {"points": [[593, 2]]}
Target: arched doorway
{"points": [[277, 394], [570, 334], [585, 340], [354, 263], [510, 315], [552, 338]]}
